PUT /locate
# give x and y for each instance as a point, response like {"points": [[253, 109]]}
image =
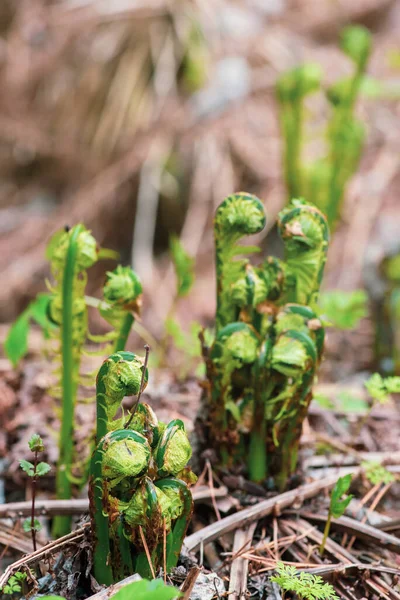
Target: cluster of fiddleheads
{"points": [[268, 341], [325, 179], [71, 253], [140, 502]]}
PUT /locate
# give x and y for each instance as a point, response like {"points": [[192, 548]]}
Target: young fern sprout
{"points": [[269, 341], [326, 178], [71, 253], [291, 89], [123, 297], [139, 479]]}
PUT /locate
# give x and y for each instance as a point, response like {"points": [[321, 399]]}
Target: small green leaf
{"points": [[147, 590], [42, 469], [27, 525], [36, 443], [338, 506], [324, 401], [16, 344], [344, 310], [27, 466], [376, 473], [184, 266], [380, 388], [350, 403]]}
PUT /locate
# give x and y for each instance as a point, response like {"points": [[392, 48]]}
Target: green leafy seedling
{"points": [[139, 590], [337, 505], [34, 470], [379, 388], [344, 310], [306, 585], [16, 344], [376, 473], [14, 584]]}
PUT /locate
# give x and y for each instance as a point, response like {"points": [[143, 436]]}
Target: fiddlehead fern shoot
{"points": [[139, 479], [269, 340]]}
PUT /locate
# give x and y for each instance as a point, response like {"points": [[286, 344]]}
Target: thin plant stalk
{"points": [[62, 524], [120, 342], [33, 491], [326, 534]]}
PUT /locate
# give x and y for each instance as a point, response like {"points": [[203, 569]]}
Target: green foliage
{"points": [[147, 590], [268, 342], [63, 316], [183, 264], [376, 473], [14, 583], [139, 477], [325, 179], [16, 343], [337, 505], [305, 585], [36, 443], [344, 310], [140, 590], [380, 387], [27, 525]]}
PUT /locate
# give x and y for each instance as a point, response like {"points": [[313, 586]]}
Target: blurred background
{"points": [[138, 118]]}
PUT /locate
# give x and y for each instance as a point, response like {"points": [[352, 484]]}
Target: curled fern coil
{"points": [[269, 340]]}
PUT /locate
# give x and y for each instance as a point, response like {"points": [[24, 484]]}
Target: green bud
{"points": [[36, 443], [299, 82], [123, 287], [240, 214], [250, 290], [242, 345], [148, 507], [125, 458], [87, 252], [176, 505], [356, 42], [173, 450]]}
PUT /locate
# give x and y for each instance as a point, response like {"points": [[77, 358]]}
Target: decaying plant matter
{"points": [[139, 480], [269, 341]]}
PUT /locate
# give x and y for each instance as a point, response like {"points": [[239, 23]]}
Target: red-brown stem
{"points": [[33, 530]]}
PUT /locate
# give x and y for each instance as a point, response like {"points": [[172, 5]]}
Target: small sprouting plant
{"points": [[269, 340], [325, 179], [306, 585], [140, 590], [140, 502], [14, 583], [63, 316], [34, 470], [376, 473], [379, 388], [344, 310], [337, 505]]}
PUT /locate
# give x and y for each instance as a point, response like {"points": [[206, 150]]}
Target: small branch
{"points": [[253, 513], [188, 584]]}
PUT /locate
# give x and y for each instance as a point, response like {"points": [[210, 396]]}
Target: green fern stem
{"points": [[62, 524], [120, 375], [238, 215], [257, 457], [126, 326], [326, 533]]}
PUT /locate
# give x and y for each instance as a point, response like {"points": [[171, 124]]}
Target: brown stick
{"points": [[259, 511], [188, 584]]}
